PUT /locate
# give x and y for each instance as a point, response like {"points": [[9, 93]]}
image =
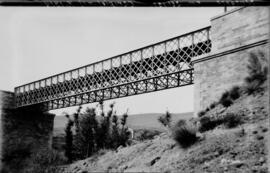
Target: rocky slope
{"points": [[240, 149]]}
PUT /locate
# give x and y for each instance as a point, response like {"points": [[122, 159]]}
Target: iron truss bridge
{"points": [[159, 66]]}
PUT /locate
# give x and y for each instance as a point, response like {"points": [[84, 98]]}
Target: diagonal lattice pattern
{"points": [[163, 65]]}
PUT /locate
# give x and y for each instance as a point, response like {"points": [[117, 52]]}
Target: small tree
{"points": [[77, 132], [165, 119], [92, 135], [69, 140], [115, 132], [124, 135]]}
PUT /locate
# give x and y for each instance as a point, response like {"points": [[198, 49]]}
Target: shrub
{"points": [[45, 162], [257, 73], [201, 113], [235, 92], [231, 120], [184, 134], [146, 134], [227, 102], [165, 119], [213, 105], [206, 123], [252, 87], [225, 99]]}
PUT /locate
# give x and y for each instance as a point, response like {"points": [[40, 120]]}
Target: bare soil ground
{"points": [[238, 150]]}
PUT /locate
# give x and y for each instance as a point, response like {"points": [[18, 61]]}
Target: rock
{"points": [[200, 136], [221, 111], [206, 165], [123, 167], [119, 148], [234, 163], [259, 137], [233, 153], [261, 160], [255, 132], [154, 161], [224, 161], [82, 171], [264, 129], [254, 168], [237, 163], [216, 153]]}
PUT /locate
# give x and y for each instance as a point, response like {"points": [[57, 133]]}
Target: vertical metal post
{"points": [[192, 49]]}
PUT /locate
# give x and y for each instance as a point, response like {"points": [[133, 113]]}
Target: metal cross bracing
{"points": [[163, 65]]}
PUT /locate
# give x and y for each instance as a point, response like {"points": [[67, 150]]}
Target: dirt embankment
{"points": [[240, 149]]}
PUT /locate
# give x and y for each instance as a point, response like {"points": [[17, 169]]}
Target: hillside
{"points": [[241, 149], [136, 121]]}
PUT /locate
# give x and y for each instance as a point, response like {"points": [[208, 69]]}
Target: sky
{"points": [[37, 42]]}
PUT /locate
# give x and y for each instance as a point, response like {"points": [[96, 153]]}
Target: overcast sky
{"points": [[37, 42]]}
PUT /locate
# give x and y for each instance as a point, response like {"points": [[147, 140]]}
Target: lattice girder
{"points": [[160, 66]]}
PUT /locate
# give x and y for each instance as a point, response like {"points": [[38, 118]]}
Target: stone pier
{"points": [[23, 131], [234, 35]]}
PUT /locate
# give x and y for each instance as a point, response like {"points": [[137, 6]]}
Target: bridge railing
{"points": [[153, 61]]}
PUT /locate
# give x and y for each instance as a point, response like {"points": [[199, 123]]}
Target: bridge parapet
{"points": [[163, 65]]}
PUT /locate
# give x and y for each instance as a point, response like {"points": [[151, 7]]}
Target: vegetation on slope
{"points": [[86, 135], [233, 138]]}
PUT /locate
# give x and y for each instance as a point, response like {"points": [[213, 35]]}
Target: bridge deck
{"points": [[159, 66]]}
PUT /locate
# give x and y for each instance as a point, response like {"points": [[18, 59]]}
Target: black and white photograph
{"points": [[134, 86]]}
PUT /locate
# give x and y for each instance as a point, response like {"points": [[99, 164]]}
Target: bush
{"points": [[45, 162], [206, 123], [231, 120], [227, 102], [213, 105], [165, 119], [252, 87], [201, 113], [257, 73], [235, 92], [225, 99], [184, 134], [146, 134]]}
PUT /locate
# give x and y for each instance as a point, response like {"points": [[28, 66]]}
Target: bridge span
{"points": [[163, 65]]}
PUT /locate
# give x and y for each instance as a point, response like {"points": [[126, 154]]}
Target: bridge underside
{"points": [[156, 67]]}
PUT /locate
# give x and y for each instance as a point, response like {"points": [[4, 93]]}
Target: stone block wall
{"points": [[24, 131], [234, 35], [239, 27], [213, 77], [6, 101]]}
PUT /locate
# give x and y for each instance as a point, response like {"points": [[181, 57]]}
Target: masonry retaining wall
{"points": [[24, 131], [234, 35]]}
